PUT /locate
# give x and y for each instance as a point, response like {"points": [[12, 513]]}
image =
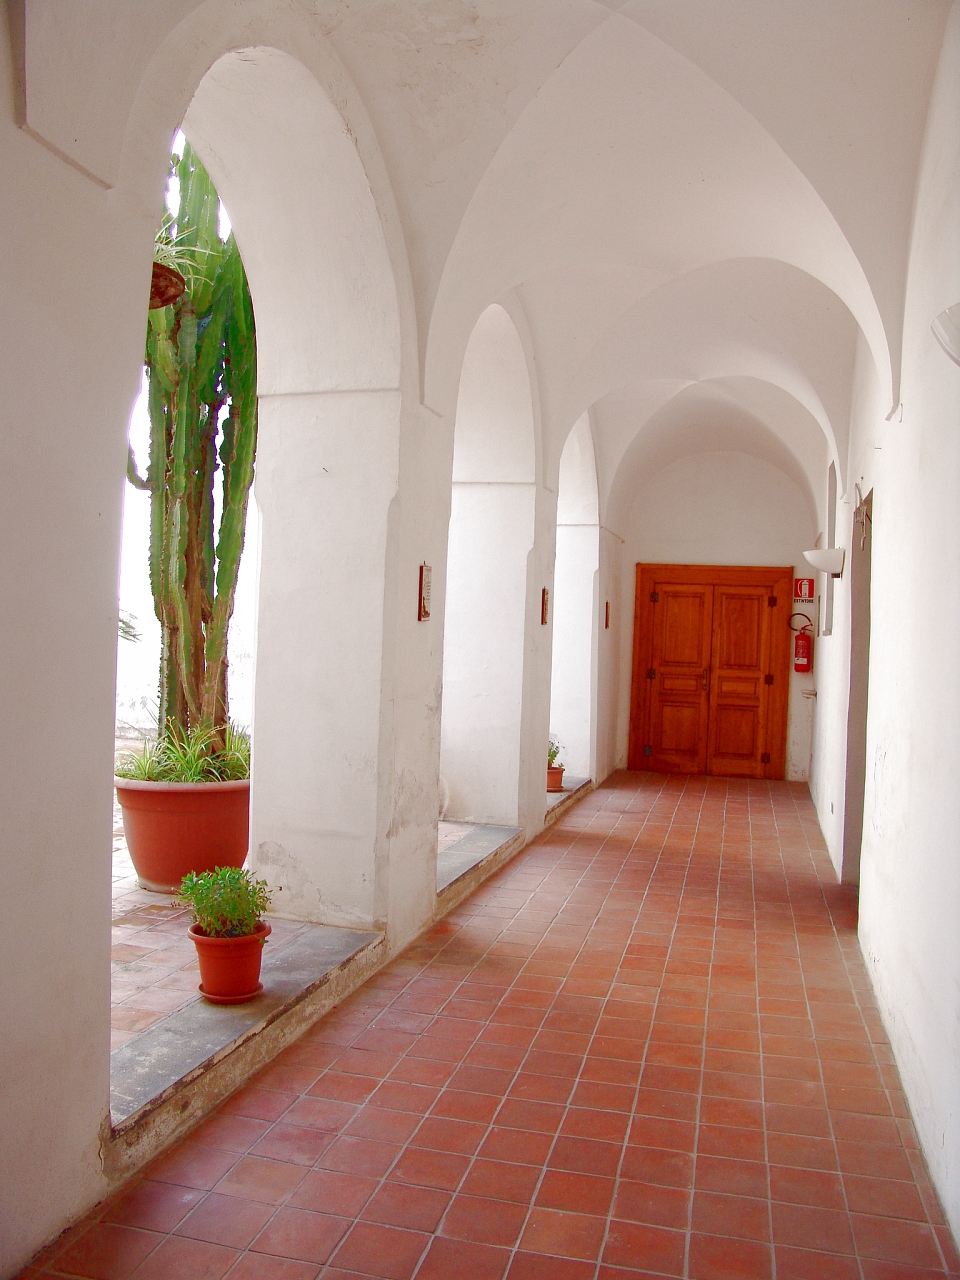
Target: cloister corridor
{"points": [[647, 1046]]}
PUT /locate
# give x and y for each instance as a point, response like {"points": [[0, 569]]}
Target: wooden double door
{"points": [[711, 670]]}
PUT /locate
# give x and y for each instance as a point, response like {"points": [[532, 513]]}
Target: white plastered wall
{"points": [[610, 588], [909, 871], [717, 508], [576, 605], [492, 518], [869, 433], [62, 459]]}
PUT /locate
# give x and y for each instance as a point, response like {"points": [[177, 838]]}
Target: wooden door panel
{"points": [[678, 732], [682, 627], [680, 684], [738, 630], [736, 733], [741, 641], [681, 640], [725, 628], [738, 688]]}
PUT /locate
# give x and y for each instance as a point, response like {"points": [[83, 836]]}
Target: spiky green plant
{"points": [[189, 756], [201, 358], [127, 627]]}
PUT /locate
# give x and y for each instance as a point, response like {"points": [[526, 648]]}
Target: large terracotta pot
{"points": [[230, 967], [175, 827], [554, 777]]}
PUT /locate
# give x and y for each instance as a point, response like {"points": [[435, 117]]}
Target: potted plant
{"points": [[186, 806], [201, 365], [554, 770], [228, 931]]}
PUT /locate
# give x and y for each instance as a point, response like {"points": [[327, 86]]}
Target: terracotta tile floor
{"points": [[647, 1047]]}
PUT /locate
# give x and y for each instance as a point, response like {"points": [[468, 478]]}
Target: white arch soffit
{"points": [[709, 418], [630, 153], [578, 495], [686, 333], [495, 434], [286, 168], [302, 167]]}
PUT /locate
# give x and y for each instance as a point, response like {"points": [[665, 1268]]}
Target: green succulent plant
{"points": [[226, 903], [201, 359], [553, 753]]}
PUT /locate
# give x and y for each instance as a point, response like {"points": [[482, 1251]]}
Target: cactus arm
{"points": [[133, 475], [179, 549], [237, 453], [207, 465]]}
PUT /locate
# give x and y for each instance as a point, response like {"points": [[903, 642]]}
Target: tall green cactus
{"points": [[201, 357]]}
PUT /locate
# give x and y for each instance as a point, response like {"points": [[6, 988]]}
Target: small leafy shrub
{"points": [[190, 757], [226, 903], [553, 752]]}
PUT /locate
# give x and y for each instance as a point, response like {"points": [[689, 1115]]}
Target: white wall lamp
{"points": [[946, 330], [827, 560]]}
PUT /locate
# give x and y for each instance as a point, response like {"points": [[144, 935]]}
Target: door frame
{"points": [[860, 562], [779, 580]]}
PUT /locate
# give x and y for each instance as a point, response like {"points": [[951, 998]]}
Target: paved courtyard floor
{"points": [[646, 1047]]}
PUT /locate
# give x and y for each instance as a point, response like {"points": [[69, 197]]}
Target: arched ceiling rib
{"points": [[748, 318], [708, 418], [848, 105], [631, 155]]}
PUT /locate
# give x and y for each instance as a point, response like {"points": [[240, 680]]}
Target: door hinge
{"points": [[648, 751], [651, 674], [772, 601], [765, 758], [768, 679], [654, 596]]}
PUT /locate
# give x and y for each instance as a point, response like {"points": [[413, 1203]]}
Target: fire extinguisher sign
{"points": [[803, 588]]}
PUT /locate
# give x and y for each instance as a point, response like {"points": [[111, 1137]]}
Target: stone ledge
{"points": [[166, 1080], [470, 850], [477, 870], [561, 802]]}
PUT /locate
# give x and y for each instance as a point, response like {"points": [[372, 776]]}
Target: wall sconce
{"points": [[827, 560], [946, 330]]}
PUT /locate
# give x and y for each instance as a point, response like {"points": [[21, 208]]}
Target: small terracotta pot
{"points": [[175, 827], [554, 777], [230, 967]]}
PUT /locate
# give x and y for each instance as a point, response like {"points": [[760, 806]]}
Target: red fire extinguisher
{"points": [[802, 644]]}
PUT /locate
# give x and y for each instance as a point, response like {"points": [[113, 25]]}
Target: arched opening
{"points": [[575, 605], [491, 535], [287, 168]]}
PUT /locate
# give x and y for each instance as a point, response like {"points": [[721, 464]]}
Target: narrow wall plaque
{"points": [[423, 603]]}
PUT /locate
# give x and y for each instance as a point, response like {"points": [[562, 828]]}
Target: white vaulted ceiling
{"points": [[676, 194]]}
